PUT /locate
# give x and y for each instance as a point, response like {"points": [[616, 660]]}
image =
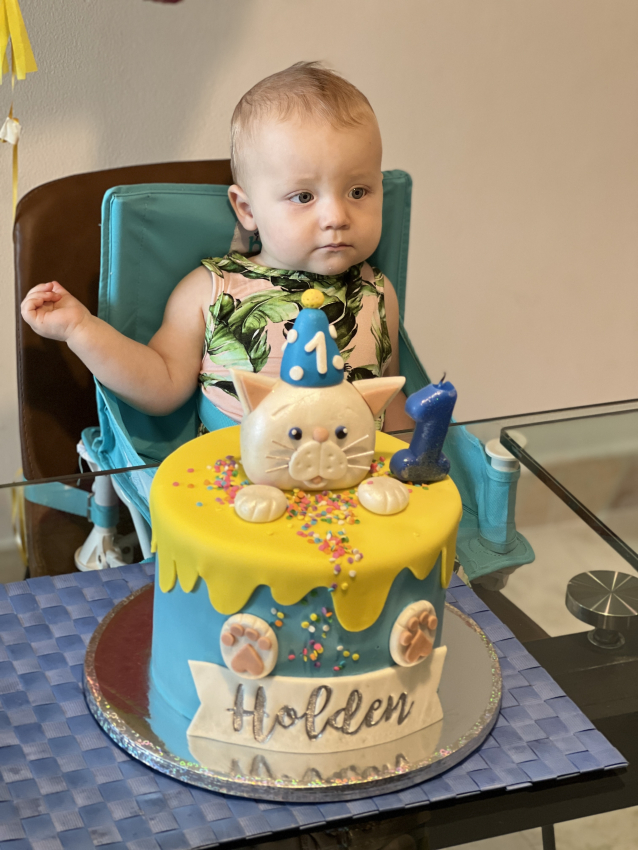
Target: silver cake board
{"points": [[121, 698]]}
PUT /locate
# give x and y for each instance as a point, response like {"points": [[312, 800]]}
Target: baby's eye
{"points": [[295, 433], [302, 198], [342, 432], [357, 193]]}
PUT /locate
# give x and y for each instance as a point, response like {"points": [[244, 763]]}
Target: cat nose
{"points": [[320, 434]]}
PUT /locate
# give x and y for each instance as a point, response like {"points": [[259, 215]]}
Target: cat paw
{"points": [[383, 495], [260, 503], [412, 636], [248, 646]]}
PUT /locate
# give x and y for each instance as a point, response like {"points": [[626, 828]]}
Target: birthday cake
{"points": [[300, 587]]}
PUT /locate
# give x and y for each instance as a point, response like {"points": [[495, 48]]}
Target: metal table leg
{"points": [[549, 840]]}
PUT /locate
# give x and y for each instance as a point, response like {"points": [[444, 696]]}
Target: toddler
{"points": [[306, 160]]}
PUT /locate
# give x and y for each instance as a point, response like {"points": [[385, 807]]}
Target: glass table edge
{"points": [[588, 516], [403, 434]]}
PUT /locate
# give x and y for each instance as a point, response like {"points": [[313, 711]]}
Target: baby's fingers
{"points": [[35, 306], [52, 289], [46, 287], [37, 299]]}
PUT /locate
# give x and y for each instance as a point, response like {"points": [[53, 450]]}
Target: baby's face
{"points": [[314, 193]]}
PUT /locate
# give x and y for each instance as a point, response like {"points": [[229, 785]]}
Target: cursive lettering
{"points": [[311, 711], [342, 720], [259, 715], [369, 718], [353, 705], [238, 710], [391, 708], [287, 717]]}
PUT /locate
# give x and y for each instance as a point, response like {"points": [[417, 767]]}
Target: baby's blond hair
{"points": [[305, 89]]}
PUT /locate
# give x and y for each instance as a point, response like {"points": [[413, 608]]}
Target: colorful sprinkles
{"points": [[331, 509], [314, 510], [325, 520], [315, 645], [279, 618]]}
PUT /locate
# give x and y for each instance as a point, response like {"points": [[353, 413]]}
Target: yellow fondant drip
{"points": [[197, 533], [448, 556], [167, 575]]}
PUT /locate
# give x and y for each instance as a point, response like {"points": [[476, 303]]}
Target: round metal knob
{"points": [[606, 600]]}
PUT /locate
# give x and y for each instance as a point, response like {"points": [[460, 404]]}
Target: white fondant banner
{"points": [[292, 714], [234, 760]]}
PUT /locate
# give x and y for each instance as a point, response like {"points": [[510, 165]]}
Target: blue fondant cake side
{"points": [[186, 627]]}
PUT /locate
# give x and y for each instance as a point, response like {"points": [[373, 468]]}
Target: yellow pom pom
{"points": [[312, 298]]}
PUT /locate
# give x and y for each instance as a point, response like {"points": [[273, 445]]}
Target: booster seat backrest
{"points": [[57, 236], [154, 234]]}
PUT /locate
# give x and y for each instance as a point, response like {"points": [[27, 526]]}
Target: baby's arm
{"points": [[156, 378], [396, 419]]}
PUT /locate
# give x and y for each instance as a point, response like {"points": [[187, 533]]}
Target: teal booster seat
{"points": [[152, 236]]}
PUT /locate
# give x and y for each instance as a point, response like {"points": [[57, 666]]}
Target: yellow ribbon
{"points": [[14, 179], [12, 29], [18, 519]]}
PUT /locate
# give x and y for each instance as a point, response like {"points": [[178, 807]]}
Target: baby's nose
{"points": [[320, 434], [334, 215]]}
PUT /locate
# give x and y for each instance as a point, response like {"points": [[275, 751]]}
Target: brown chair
{"points": [[57, 237]]}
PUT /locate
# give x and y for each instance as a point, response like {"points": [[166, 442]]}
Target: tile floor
{"points": [[611, 831], [563, 550]]}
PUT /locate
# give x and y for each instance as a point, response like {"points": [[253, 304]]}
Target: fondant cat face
{"points": [[313, 438]]}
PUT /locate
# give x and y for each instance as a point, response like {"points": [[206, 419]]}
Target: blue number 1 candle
{"points": [[431, 408]]}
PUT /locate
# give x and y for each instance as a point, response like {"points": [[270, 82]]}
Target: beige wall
{"points": [[517, 119]]}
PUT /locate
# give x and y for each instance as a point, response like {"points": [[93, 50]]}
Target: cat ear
{"points": [[252, 388], [379, 392]]}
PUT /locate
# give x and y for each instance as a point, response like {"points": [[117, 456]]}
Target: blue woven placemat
{"points": [[67, 786]]}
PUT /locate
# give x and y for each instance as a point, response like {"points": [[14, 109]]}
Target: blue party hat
{"points": [[311, 356]]}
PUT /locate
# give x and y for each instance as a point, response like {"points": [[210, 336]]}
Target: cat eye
{"points": [[295, 433], [341, 432]]}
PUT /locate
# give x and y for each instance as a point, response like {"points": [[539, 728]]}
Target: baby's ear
{"points": [[379, 392], [252, 388]]}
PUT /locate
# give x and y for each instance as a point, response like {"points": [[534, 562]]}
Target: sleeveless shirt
{"points": [[253, 307]]}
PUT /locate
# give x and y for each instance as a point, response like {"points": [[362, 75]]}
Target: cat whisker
{"points": [[278, 457], [361, 454], [354, 443], [283, 445], [356, 466], [275, 468]]}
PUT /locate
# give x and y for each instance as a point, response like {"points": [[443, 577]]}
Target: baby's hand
{"points": [[53, 312]]}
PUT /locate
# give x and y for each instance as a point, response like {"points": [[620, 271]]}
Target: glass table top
{"points": [[573, 448], [484, 429], [553, 441], [590, 461]]}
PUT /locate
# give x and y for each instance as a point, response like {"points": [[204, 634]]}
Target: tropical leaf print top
{"points": [[253, 307]]}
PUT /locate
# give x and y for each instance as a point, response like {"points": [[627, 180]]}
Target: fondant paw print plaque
{"points": [[248, 646], [413, 634]]}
